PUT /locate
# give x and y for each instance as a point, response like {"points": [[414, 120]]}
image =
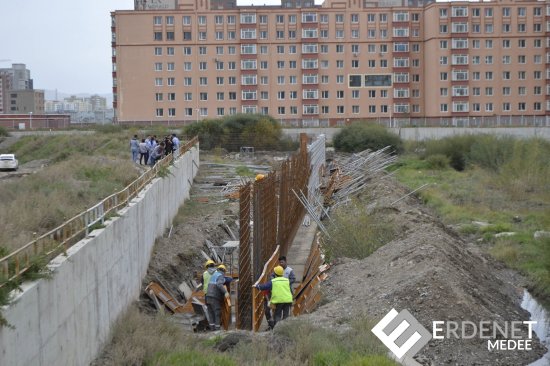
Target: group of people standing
{"points": [[278, 293], [150, 150]]}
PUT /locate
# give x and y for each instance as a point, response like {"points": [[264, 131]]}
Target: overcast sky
{"points": [[65, 43]]}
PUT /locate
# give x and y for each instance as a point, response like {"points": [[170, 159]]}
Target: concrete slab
{"points": [[300, 248]]}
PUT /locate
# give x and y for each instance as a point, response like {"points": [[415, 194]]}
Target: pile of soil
{"points": [[434, 274]]}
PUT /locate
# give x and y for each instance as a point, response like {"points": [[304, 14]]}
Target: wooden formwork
{"points": [[307, 294], [257, 296]]}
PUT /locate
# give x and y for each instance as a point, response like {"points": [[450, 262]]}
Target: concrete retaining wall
{"points": [[425, 133], [67, 319]]}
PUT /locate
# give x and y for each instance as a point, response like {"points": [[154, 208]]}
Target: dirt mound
{"points": [[430, 271]]}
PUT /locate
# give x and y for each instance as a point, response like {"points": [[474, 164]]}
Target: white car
{"points": [[8, 161]]}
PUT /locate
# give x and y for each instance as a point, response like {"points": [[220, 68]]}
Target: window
{"points": [[219, 80], [521, 106], [489, 60], [476, 91], [186, 20], [157, 20], [171, 81], [459, 11], [309, 33], [476, 43], [158, 81], [443, 13], [340, 109], [292, 19], [354, 18], [248, 18], [489, 91], [170, 51], [203, 81], [202, 50], [488, 12], [339, 18], [506, 28], [522, 12], [309, 17], [187, 81], [443, 28], [170, 66], [521, 28], [201, 19], [488, 75], [443, 108], [171, 112], [459, 27], [310, 109], [171, 96], [488, 43], [506, 90], [443, 44], [476, 12], [158, 66], [157, 36], [158, 97], [159, 112], [488, 28], [263, 19], [506, 75]]}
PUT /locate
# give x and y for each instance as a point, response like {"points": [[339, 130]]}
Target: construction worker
{"points": [[281, 294], [215, 296], [288, 271], [210, 268], [259, 177]]}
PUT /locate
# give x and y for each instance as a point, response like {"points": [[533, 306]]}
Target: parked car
{"points": [[8, 161]]}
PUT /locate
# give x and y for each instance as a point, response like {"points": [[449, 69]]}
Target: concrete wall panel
{"points": [[67, 319]]}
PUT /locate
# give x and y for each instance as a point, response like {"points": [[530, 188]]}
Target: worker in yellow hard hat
{"points": [[259, 177], [215, 295], [210, 268], [281, 294]]}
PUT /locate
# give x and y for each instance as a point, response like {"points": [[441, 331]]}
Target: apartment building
{"points": [[183, 60]]}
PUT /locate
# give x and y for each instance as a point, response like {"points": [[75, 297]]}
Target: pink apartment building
{"points": [[396, 60]]}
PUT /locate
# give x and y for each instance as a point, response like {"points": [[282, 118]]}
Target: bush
{"points": [[191, 358], [233, 132], [3, 132], [361, 136], [346, 241], [437, 161]]}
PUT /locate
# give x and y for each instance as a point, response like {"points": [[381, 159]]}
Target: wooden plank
{"points": [[257, 297]]}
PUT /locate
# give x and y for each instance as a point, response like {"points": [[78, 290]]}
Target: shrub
{"points": [[361, 136], [233, 132], [437, 161], [346, 241], [192, 358], [3, 132]]}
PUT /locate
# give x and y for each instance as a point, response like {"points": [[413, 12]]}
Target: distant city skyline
{"points": [[65, 44]]}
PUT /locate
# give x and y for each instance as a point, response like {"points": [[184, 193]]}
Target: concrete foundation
{"points": [[67, 319]]}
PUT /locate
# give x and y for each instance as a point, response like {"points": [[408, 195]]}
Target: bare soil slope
{"points": [[429, 270]]}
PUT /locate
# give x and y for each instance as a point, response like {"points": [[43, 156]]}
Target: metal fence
{"points": [[244, 295], [276, 214], [60, 239]]}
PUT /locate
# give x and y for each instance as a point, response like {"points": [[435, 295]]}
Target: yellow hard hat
{"points": [[222, 267], [259, 177], [209, 263], [279, 270]]}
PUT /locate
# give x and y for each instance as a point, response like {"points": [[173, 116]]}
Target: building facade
{"points": [[183, 60], [16, 91]]}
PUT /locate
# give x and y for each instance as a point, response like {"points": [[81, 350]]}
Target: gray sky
{"points": [[65, 43]]}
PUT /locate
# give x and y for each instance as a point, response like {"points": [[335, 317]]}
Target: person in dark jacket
{"points": [[215, 296]]}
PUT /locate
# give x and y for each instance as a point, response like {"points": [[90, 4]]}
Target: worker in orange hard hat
{"points": [[210, 268], [281, 294]]}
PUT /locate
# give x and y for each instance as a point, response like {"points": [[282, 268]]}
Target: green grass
{"points": [[491, 193], [140, 339], [345, 241]]}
